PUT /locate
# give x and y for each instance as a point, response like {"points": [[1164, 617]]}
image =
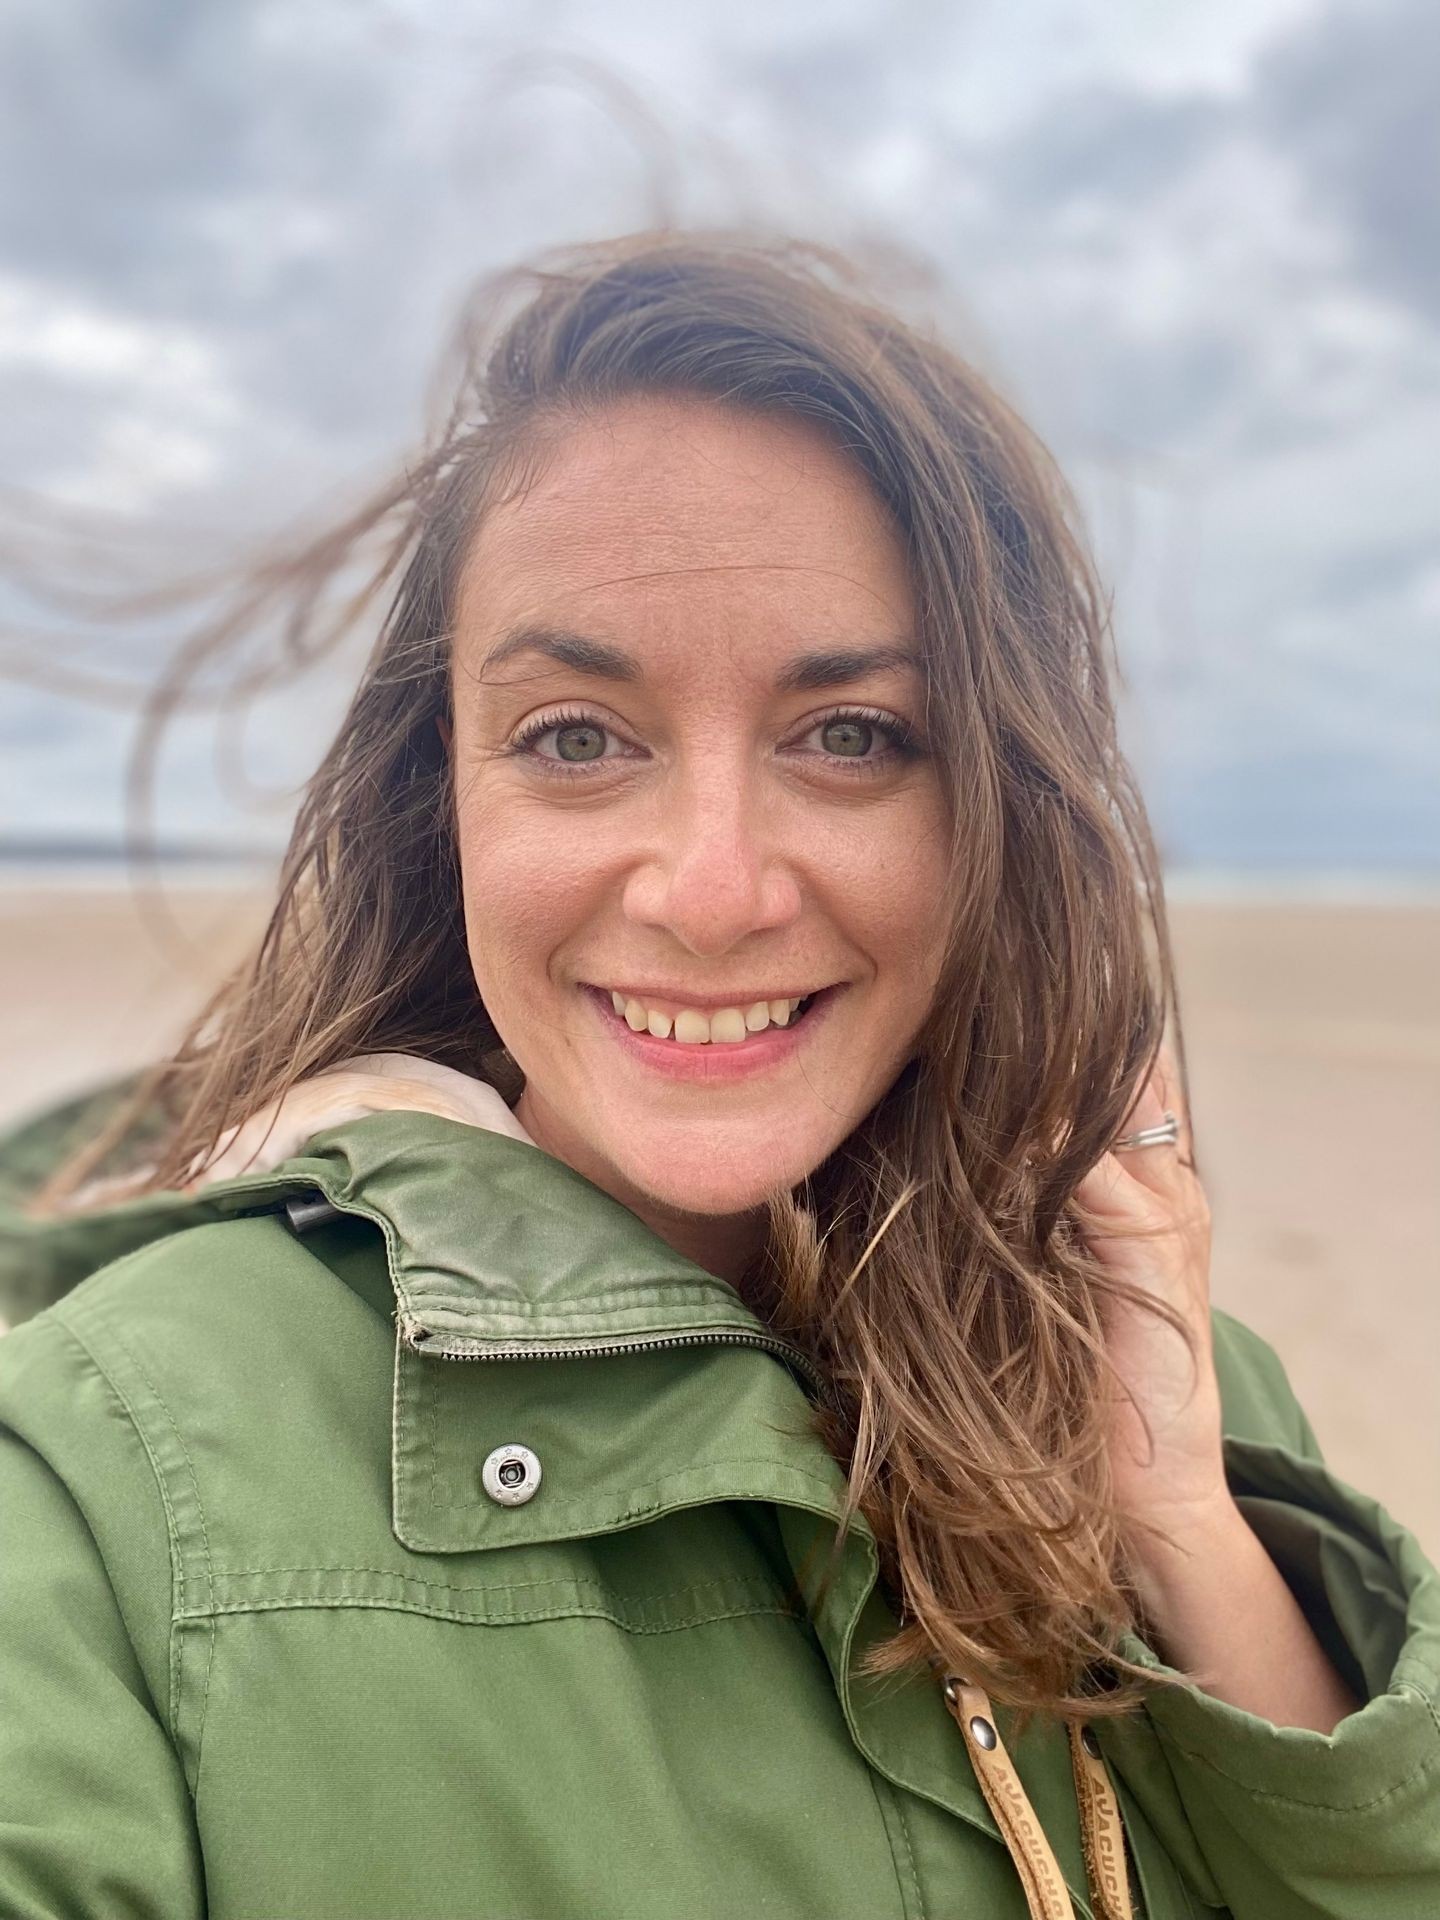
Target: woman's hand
{"points": [[1157, 1190], [1213, 1599]]}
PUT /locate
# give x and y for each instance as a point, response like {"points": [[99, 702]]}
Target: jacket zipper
{"points": [[421, 1339]]}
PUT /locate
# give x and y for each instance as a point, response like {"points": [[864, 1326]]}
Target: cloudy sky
{"points": [[1199, 245]]}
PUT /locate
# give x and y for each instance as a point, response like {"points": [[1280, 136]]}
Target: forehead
{"points": [[670, 519]]}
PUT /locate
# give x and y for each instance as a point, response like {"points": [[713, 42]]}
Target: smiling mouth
{"points": [[725, 1030]]}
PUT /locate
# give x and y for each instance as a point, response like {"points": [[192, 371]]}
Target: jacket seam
{"points": [[658, 1293], [172, 1534], [1422, 1766], [526, 1617], [1406, 1659], [886, 1797], [126, 1349], [910, 1858], [1133, 1822], [478, 1586], [205, 1548]]}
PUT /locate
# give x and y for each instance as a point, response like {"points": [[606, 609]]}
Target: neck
{"points": [[723, 1244]]}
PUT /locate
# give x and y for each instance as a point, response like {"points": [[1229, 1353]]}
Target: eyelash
{"points": [[904, 743]]}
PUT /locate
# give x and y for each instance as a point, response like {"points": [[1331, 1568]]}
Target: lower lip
{"points": [[715, 1062]]}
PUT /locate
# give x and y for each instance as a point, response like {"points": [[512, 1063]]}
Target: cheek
{"points": [[526, 888], [893, 887]]}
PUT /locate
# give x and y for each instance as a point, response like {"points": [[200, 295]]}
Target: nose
{"points": [[716, 871]]}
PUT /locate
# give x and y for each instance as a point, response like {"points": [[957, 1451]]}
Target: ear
{"points": [[443, 728]]}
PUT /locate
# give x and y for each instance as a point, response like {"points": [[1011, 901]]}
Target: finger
{"points": [[1163, 1167], [1171, 1094]]}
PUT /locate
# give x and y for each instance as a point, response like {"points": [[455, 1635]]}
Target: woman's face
{"points": [[664, 793]]}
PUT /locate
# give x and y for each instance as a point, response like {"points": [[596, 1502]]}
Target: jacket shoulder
{"points": [[223, 1364], [177, 1275], [212, 1329]]}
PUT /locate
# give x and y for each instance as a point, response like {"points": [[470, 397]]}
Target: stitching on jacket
{"points": [[125, 1348], [483, 1586], [659, 1294], [531, 1615], [1423, 1766], [751, 1595], [888, 1802], [401, 1440], [204, 1542], [1414, 1660], [177, 1564], [910, 1855], [431, 1400]]}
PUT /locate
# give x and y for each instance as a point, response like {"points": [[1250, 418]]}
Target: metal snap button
{"points": [[1090, 1743], [982, 1733], [511, 1475], [306, 1211]]}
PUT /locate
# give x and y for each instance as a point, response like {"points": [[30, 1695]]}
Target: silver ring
{"points": [[1165, 1135]]}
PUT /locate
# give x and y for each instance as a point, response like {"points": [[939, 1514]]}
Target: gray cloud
{"points": [[1107, 142], [230, 235], [1355, 100]]}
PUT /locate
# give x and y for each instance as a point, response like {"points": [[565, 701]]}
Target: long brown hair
{"points": [[933, 1266]]}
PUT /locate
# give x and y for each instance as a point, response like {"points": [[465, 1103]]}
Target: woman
{"points": [[714, 1016]]}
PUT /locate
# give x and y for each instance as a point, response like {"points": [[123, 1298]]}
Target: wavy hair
{"points": [[934, 1267]]}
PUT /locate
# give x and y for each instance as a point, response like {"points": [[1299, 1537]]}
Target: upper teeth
{"points": [[693, 1028]]}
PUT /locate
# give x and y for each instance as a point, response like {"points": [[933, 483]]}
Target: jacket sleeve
{"points": [[1289, 1824], [95, 1814]]}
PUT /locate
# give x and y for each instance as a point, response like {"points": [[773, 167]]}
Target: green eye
{"points": [[587, 742], [851, 735], [849, 738], [578, 738]]}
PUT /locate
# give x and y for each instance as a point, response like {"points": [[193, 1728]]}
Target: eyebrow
{"points": [[825, 667]]}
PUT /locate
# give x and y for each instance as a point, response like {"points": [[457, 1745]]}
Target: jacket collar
{"points": [[497, 1245], [497, 1252], [489, 1241]]}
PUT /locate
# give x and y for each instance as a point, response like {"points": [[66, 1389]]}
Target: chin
{"points": [[714, 1184]]}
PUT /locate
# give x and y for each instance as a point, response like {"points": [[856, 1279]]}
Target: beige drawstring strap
{"points": [[1101, 1832], [1022, 1833]]}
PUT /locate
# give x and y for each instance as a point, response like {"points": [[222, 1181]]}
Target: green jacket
{"points": [[270, 1650]]}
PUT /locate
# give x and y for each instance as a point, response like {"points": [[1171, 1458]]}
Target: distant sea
{"points": [[82, 865]]}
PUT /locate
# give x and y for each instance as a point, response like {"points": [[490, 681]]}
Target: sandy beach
{"points": [[1313, 1033]]}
